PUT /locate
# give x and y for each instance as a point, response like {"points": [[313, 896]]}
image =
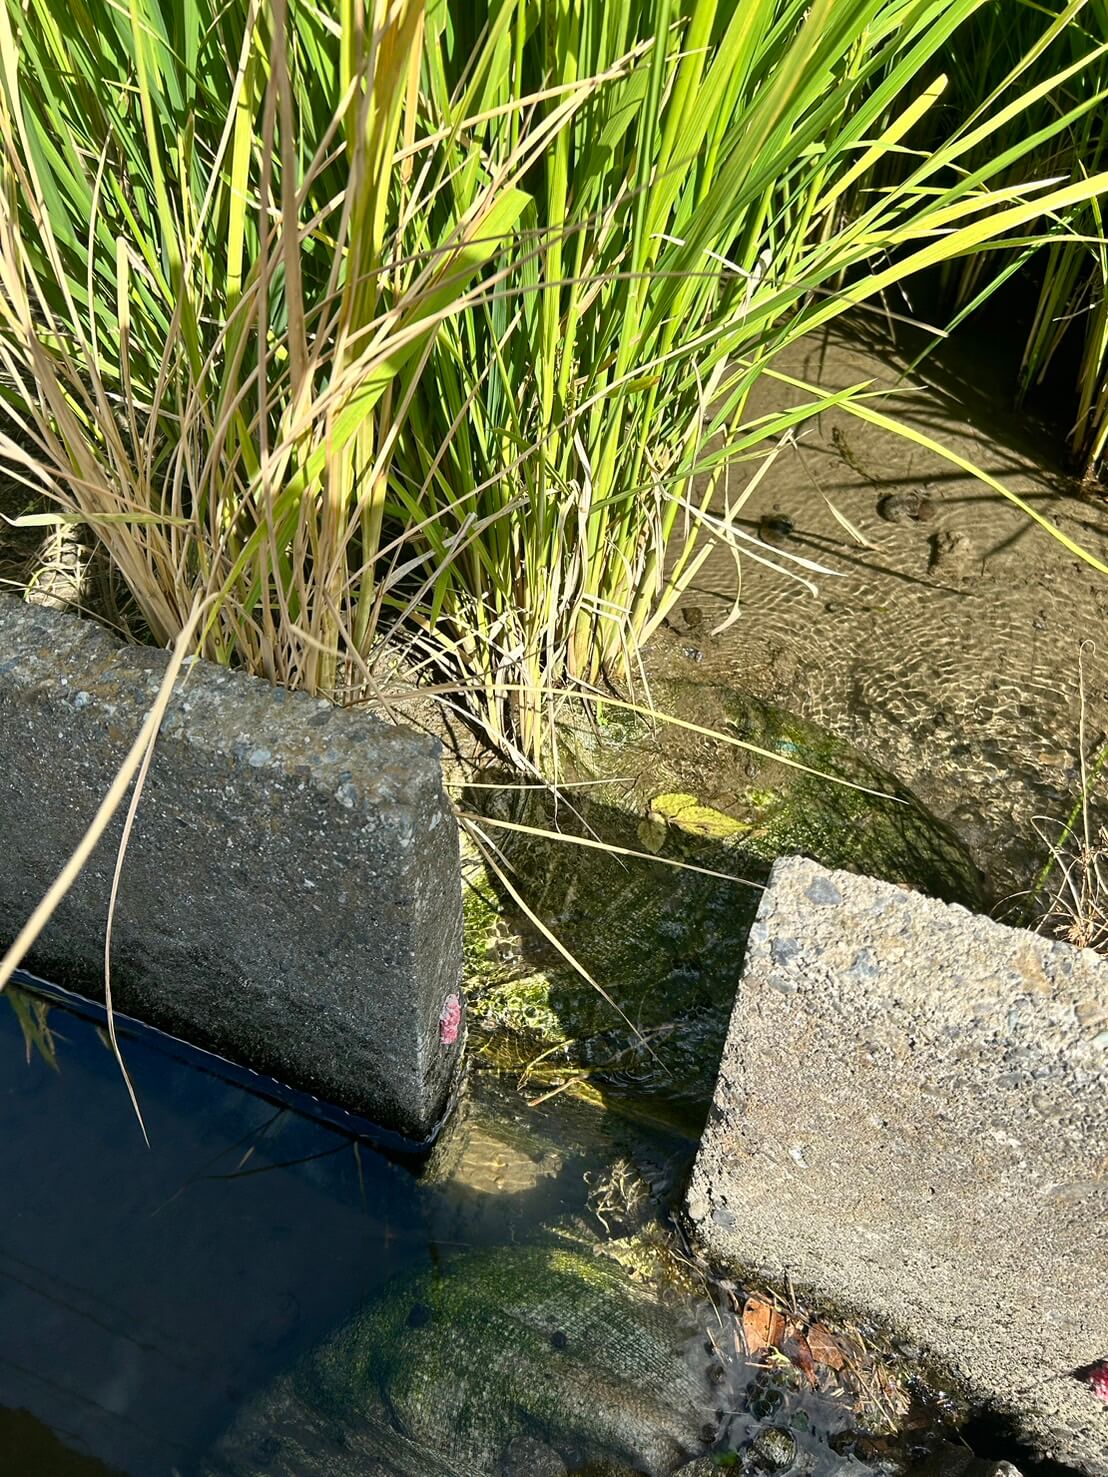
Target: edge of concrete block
{"points": [[911, 1123], [291, 897]]}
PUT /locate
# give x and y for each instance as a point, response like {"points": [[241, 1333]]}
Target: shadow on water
{"points": [[147, 1296], [995, 1436], [664, 948]]}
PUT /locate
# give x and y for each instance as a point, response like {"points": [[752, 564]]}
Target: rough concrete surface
{"points": [[911, 1120], [290, 897]]}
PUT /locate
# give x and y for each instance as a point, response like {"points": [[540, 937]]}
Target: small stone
{"points": [[1056, 758], [783, 982], [775, 527], [697, 1207], [772, 1450], [784, 949], [951, 551], [906, 507], [823, 890], [763, 1399], [865, 965]]}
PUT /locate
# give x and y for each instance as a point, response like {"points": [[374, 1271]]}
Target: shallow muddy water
{"points": [[948, 644]]}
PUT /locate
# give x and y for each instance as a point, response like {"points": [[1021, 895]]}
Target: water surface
{"points": [[145, 1291]]}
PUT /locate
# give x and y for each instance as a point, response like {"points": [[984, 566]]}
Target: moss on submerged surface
{"points": [[551, 1338], [663, 942], [446, 1368]]}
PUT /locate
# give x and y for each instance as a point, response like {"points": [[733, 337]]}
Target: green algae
{"points": [[664, 943], [448, 1366], [553, 1339], [689, 814], [850, 813], [511, 999]]}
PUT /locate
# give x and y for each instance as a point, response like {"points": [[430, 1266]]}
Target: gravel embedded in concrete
{"points": [[911, 1120], [291, 894]]}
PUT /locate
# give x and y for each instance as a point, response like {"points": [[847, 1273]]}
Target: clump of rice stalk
{"points": [[1070, 893], [1064, 125], [1077, 907], [214, 307], [749, 179], [441, 321]]}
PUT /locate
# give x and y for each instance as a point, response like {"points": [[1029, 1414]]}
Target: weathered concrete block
{"points": [[912, 1120], [291, 893]]}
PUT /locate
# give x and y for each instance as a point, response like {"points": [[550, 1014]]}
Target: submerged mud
{"points": [[950, 646]]}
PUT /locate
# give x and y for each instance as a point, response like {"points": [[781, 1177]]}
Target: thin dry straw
{"points": [[610, 847]]}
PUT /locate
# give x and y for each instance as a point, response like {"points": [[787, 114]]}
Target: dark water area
{"points": [[145, 1292], [148, 1293]]}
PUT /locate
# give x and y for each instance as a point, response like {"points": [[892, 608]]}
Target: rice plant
{"points": [[1063, 269], [437, 324], [749, 179], [209, 316]]}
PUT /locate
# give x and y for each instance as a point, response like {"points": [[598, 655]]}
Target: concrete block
{"points": [[291, 894], [911, 1121]]}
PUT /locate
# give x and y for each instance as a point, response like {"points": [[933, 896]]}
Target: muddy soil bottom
{"points": [[951, 650]]}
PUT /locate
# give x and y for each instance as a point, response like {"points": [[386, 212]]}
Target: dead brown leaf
{"points": [[825, 1347], [763, 1326], [797, 1349]]}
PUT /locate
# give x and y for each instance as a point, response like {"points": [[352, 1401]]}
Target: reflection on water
{"points": [[145, 1292]]}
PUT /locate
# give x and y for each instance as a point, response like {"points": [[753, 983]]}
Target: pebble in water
{"points": [[772, 1450], [906, 507], [775, 527], [951, 550]]}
